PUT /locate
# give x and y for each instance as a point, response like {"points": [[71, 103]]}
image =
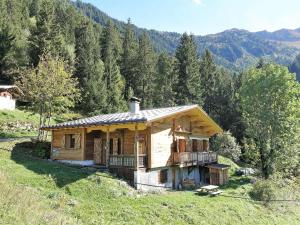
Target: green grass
{"points": [[34, 191], [12, 121]]}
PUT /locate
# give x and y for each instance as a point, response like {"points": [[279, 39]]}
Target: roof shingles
{"points": [[125, 117]]}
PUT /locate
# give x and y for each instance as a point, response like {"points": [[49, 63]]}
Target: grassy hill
{"points": [[22, 123], [34, 191], [18, 123]]}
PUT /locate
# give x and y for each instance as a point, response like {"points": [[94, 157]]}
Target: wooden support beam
{"points": [[136, 147], [107, 146]]}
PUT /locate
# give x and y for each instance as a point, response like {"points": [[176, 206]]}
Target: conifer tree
{"points": [[110, 55], [209, 80], [144, 79], [90, 69], [128, 59], [188, 86], [164, 81]]}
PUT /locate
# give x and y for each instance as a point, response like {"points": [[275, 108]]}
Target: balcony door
{"points": [[182, 145]]}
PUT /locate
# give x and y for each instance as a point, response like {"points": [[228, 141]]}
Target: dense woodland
{"points": [[48, 45]]}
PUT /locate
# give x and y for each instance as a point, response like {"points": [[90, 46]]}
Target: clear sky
{"points": [[205, 16]]}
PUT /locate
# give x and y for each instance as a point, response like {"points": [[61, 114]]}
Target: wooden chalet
{"points": [[165, 147]]}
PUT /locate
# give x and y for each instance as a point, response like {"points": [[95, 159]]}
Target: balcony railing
{"points": [[194, 158], [127, 161]]}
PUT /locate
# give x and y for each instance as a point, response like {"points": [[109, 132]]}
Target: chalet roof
{"points": [[144, 116], [11, 88]]}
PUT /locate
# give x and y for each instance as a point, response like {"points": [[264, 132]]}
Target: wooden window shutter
{"points": [[115, 148], [77, 141], [63, 141]]}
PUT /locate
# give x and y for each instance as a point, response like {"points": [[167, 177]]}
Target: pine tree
{"points": [[110, 55], [144, 79], [209, 80], [128, 59], [188, 86], [164, 81], [47, 36], [90, 69]]}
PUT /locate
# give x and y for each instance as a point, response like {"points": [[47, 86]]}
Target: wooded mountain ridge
{"points": [[235, 49]]}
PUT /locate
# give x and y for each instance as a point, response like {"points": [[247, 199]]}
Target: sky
{"points": [[202, 17]]}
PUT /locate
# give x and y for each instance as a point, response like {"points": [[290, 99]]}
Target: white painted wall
{"points": [[7, 103]]}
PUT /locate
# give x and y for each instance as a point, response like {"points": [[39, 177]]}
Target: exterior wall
{"points": [[161, 141], [58, 149], [6, 102], [149, 180]]}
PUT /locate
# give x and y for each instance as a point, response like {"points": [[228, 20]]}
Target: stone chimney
{"points": [[134, 104]]}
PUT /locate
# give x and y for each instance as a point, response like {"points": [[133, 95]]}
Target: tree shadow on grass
{"points": [[62, 174]]}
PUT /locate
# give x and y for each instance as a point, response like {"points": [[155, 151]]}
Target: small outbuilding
{"points": [[8, 96]]}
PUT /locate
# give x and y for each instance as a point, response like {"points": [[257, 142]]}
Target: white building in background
{"points": [[8, 96]]}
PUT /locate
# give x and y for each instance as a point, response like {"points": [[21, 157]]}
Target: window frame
{"points": [[72, 136]]}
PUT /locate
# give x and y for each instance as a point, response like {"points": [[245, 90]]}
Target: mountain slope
{"points": [[234, 49]]}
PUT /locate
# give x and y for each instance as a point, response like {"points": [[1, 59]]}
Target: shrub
{"points": [[42, 150], [264, 190], [226, 145]]}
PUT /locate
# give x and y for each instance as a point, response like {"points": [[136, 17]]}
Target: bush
{"points": [[225, 144], [264, 190], [40, 149]]}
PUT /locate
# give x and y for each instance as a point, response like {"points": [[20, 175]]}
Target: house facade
{"points": [[8, 95], [166, 147]]}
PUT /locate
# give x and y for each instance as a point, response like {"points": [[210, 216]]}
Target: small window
{"points": [[72, 141], [163, 176]]}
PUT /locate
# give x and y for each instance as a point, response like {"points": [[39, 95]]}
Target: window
{"points": [[72, 141], [163, 176]]}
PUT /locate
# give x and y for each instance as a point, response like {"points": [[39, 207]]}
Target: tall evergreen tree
{"points": [[47, 36], [128, 59], [110, 55], [165, 79], [144, 79], [90, 69], [188, 87], [210, 81]]}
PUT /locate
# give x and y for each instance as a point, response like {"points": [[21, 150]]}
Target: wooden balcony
{"points": [[127, 161], [194, 158]]}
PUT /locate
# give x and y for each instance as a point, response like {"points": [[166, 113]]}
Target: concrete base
{"points": [[78, 162]]}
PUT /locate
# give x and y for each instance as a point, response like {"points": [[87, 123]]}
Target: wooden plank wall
{"points": [[162, 139], [67, 154]]}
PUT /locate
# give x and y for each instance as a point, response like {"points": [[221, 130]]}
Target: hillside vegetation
{"points": [[18, 123], [59, 194]]}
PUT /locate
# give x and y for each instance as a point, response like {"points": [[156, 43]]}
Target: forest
{"points": [[64, 61]]}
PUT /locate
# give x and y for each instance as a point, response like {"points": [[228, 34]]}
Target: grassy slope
{"points": [[17, 117], [56, 193]]}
